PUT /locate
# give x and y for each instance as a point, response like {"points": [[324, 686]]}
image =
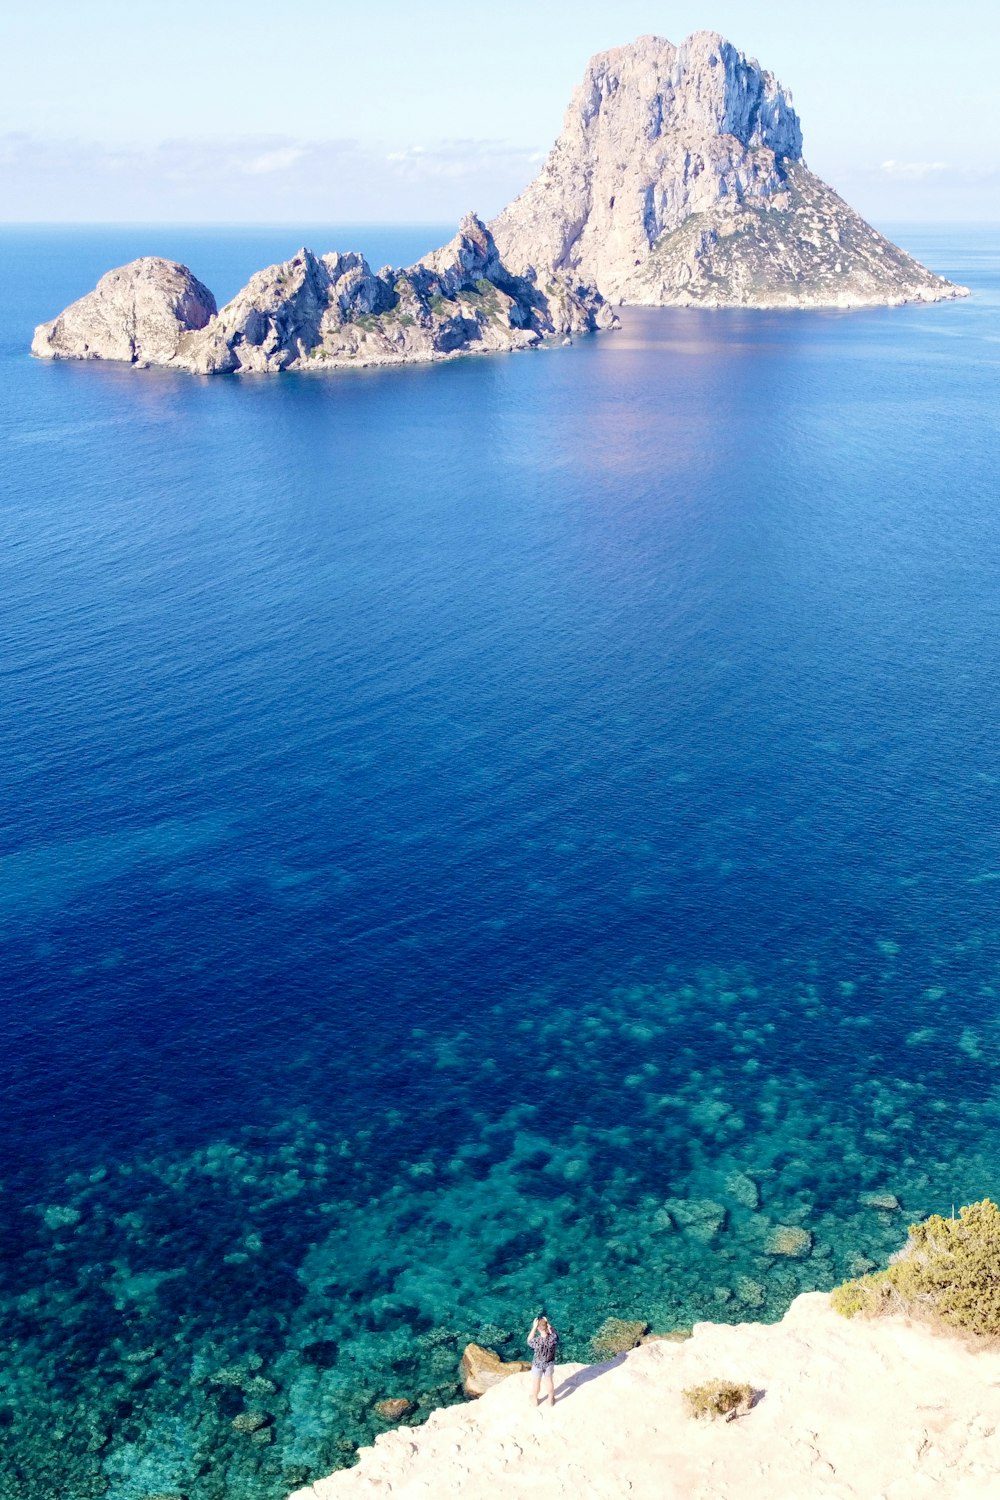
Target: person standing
{"points": [[542, 1341]]}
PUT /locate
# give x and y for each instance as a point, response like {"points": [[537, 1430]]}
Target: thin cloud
{"points": [[325, 180], [278, 160], [914, 171], [474, 159]]}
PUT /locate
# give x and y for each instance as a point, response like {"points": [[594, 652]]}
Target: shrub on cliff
{"points": [[718, 1398], [948, 1269]]}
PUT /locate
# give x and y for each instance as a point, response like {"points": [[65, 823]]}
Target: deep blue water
{"points": [[461, 826]]}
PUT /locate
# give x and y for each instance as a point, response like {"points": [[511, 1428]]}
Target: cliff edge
{"points": [[678, 179], [843, 1409]]}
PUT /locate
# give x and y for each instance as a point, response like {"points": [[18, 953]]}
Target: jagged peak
{"points": [[658, 136], [469, 255], [705, 86]]}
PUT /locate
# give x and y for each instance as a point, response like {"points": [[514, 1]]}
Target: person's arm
{"points": [[531, 1334]]}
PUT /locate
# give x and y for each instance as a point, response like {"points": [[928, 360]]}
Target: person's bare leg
{"points": [[552, 1388], [535, 1382]]}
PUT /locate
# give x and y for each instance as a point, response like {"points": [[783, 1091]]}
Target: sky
{"points": [[244, 111]]}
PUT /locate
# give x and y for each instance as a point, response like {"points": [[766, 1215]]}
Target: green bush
{"points": [[868, 1295], [949, 1269], [718, 1398]]}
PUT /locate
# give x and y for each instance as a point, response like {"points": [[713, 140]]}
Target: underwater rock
{"points": [[59, 1217], [787, 1239], [887, 1202], [743, 1190], [616, 1336], [394, 1408], [701, 1218], [250, 1421], [482, 1368], [751, 1293]]}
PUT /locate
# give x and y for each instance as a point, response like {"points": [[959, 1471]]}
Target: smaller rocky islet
{"points": [[315, 312]]}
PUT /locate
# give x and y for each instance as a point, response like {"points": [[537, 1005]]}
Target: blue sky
{"points": [[243, 110]]}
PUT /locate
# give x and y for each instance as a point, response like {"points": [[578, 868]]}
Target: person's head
{"points": [[543, 1323]]}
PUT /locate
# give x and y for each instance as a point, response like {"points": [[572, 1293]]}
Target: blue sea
{"points": [[523, 831]]}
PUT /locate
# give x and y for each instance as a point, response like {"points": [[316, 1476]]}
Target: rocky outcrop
{"points": [[790, 1240], [481, 1369], [315, 312], [678, 179], [393, 1409], [842, 1410], [616, 1336], [137, 313]]}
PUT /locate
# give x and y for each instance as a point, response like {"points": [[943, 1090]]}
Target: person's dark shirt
{"points": [[544, 1347]]}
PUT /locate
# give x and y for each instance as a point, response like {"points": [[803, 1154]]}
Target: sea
{"points": [[516, 833]]}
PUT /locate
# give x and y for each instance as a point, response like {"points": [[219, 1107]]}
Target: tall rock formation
{"points": [[312, 312], [678, 179], [137, 313]]}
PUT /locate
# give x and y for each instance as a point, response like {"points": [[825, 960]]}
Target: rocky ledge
{"points": [[317, 312], [840, 1409], [678, 179]]}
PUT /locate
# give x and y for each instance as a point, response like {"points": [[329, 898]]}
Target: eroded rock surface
{"points": [[616, 1336], [394, 1408], [678, 179], [139, 313], [481, 1369], [315, 311], [843, 1411]]}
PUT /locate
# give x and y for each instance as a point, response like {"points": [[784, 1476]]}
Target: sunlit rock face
{"points": [[678, 178], [332, 310], [137, 313]]}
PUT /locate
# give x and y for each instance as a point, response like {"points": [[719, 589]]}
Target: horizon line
{"points": [[354, 223]]}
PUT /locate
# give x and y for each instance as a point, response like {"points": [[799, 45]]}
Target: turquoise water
{"points": [[521, 830]]}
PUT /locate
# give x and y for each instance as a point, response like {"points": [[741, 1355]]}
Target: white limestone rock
{"points": [[843, 1410], [137, 313], [678, 179]]}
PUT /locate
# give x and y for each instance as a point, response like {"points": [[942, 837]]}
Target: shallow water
{"points": [[518, 830]]}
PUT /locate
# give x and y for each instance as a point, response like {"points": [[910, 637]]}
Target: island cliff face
{"points": [[315, 311], [678, 179], [137, 313]]}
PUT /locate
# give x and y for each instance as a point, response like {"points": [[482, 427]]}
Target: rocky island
{"points": [[321, 312], [678, 179]]}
